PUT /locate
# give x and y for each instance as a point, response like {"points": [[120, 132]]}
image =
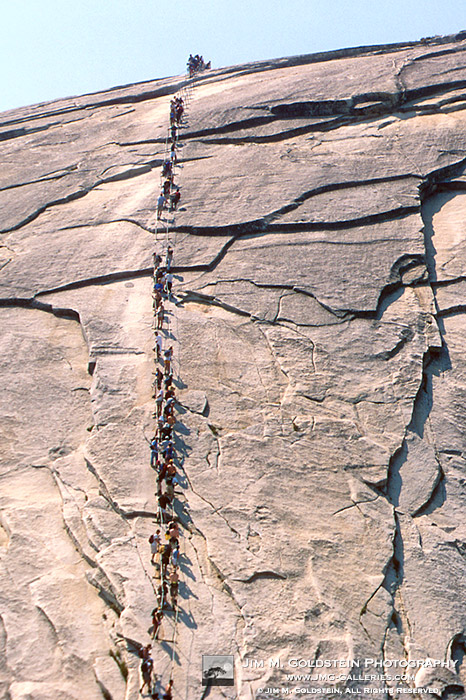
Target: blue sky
{"points": [[58, 48]]}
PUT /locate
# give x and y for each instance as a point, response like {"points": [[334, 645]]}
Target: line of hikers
{"points": [[161, 292], [170, 195], [165, 547], [147, 666]]}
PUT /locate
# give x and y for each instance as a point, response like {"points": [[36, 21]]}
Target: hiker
{"points": [[170, 493], [173, 542], [167, 355], [164, 501], [168, 413], [160, 317], [175, 555], [168, 284], [169, 258], [158, 344], [172, 111], [144, 652], [166, 188], [158, 378], [174, 480], [158, 402], [146, 671], [159, 288], [173, 155], [174, 579], [171, 469], [155, 542], [164, 444], [168, 381], [162, 592], [170, 487], [168, 694], [162, 472], [170, 393], [191, 64], [170, 400], [157, 617], [157, 297], [166, 495], [169, 405], [161, 201], [167, 168], [154, 451], [166, 553], [170, 525], [173, 133], [174, 199], [166, 430], [173, 532], [168, 450], [161, 282], [156, 259]]}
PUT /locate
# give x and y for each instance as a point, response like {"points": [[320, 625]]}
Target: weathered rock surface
{"points": [[319, 335]]}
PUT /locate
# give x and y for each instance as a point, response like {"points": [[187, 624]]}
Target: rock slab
{"points": [[318, 335]]}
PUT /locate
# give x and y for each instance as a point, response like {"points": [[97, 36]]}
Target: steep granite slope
{"points": [[319, 335]]}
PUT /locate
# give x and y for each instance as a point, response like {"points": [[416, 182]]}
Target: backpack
{"points": [[151, 539]]}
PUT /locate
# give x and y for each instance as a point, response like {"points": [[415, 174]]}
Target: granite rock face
{"points": [[319, 335]]}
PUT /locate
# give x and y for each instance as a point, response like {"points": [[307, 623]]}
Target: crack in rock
{"points": [[32, 303], [260, 575]]}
